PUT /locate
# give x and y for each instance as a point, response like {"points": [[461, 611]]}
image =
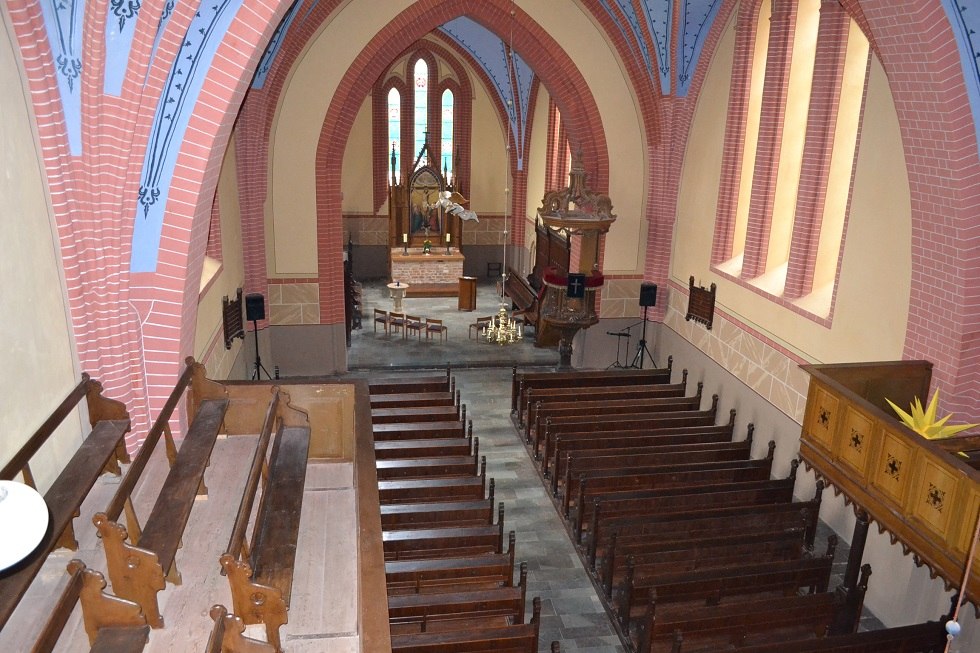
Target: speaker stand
{"points": [[258, 367], [641, 347]]}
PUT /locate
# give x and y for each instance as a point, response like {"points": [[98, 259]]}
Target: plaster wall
{"points": [[356, 184], [209, 345], [36, 344], [871, 312], [538, 157], [488, 169]]}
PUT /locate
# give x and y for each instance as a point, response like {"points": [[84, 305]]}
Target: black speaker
{"points": [[648, 294], [255, 306]]}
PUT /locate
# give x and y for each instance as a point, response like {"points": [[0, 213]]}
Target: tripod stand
{"points": [[259, 368], [641, 347], [619, 339]]}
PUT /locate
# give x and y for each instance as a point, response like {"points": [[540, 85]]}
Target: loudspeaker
{"points": [[648, 294], [255, 307]]}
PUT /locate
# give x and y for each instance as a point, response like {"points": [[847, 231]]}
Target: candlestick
{"points": [[405, 238], [447, 237]]}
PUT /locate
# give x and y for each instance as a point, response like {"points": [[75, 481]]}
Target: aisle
{"points": [[571, 611]]}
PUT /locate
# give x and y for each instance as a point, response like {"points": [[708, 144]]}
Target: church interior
{"points": [[439, 325]]}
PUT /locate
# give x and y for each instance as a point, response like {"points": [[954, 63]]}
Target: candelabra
{"points": [[503, 329]]}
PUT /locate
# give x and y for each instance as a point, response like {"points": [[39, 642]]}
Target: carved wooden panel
{"points": [[821, 416], [855, 446], [701, 304], [892, 473], [933, 494]]}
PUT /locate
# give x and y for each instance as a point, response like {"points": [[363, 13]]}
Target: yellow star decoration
{"points": [[924, 422]]}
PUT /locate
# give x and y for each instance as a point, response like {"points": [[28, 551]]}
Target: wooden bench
{"points": [[414, 399], [563, 395], [718, 626], [568, 441], [260, 570], [521, 383], [657, 403], [429, 467], [113, 625], [452, 541], [581, 463], [438, 513], [929, 637], [458, 609], [518, 638], [768, 544], [693, 523], [419, 430], [228, 635], [459, 488], [523, 298], [439, 574], [412, 384], [102, 448], [559, 427], [588, 485], [439, 413], [137, 568], [425, 447], [783, 578]]}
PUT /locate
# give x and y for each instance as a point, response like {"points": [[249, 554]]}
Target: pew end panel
{"points": [[228, 635]]}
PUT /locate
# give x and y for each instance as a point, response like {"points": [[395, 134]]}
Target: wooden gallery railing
{"points": [[923, 494]]}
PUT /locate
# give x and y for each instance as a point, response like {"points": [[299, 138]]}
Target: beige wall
{"points": [[873, 289], [35, 337], [537, 158], [209, 345], [357, 182]]}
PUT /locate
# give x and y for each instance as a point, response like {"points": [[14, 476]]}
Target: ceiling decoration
{"points": [[269, 56], [177, 102], [63, 22], [511, 76]]}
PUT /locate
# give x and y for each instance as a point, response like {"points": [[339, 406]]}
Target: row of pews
{"points": [[692, 544], [450, 580], [141, 549]]}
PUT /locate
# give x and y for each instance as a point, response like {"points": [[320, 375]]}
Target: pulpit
{"points": [[467, 294]]}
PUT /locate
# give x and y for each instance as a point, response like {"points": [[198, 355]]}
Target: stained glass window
{"points": [[421, 105], [447, 134], [394, 132]]}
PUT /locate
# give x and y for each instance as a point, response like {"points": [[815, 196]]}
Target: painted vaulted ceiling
{"points": [[646, 26]]}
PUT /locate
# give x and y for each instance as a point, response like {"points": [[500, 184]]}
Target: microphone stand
{"points": [[641, 347], [259, 368]]}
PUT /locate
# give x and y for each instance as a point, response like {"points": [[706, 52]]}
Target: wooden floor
{"points": [[322, 619]]}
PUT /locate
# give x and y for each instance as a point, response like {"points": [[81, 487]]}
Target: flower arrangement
{"points": [[924, 422], [426, 246]]}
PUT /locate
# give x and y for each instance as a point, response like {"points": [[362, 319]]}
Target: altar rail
{"points": [[925, 497]]}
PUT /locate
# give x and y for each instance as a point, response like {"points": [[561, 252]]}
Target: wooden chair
{"points": [[381, 317], [396, 322], [433, 325], [413, 323], [479, 325]]}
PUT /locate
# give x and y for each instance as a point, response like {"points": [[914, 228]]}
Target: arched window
{"points": [[447, 134], [782, 231], [394, 133], [421, 75]]}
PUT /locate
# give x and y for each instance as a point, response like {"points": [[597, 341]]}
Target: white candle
{"points": [[405, 238], [447, 237]]}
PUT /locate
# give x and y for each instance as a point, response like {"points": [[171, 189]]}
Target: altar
{"points": [[428, 275]]}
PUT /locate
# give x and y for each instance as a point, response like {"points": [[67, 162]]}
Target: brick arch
{"points": [[924, 70], [545, 56]]}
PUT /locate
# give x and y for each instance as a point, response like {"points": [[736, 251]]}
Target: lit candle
{"points": [[405, 238], [447, 237]]}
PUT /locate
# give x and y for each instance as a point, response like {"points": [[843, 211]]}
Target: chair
{"points": [[413, 323], [433, 325], [396, 321], [381, 317], [479, 325]]}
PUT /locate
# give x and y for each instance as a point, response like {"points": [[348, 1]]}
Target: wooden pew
{"points": [[228, 635], [438, 413], [112, 624], [568, 442], [439, 574], [717, 626], [767, 544], [540, 411], [563, 426], [586, 486], [428, 467], [419, 430], [137, 568], [458, 609], [450, 541], [683, 497], [644, 458], [260, 569], [457, 488], [929, 637], [638, 531], [784, 578], [527, 410], [521, 383], [523, 298], [414, 399], [102, 448], [413, 384], [437, 513], [518, 638]]}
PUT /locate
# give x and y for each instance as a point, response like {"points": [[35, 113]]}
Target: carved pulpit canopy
{"points": [[576, 208]]}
